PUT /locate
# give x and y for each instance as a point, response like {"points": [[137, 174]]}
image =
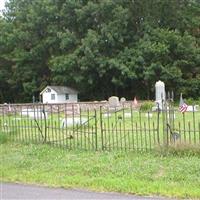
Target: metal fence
{"points": [[99, 126]]}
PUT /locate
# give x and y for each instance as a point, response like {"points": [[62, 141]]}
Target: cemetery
{"points": [[115, 124], [102, 95]]}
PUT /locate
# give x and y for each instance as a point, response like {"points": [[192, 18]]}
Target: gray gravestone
{"points": [[113, 101]]}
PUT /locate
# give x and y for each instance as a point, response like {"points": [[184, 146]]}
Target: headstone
{"points": [[122, 99], [194, 108], [66, 122], [160, 93], [107, 115], [113, 101], [154, 108], [149, 115], [175, 136], [127, 115], [34, 113], [104, 101]]}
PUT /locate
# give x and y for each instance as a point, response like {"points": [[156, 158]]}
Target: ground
{"points": [[152, 173]]}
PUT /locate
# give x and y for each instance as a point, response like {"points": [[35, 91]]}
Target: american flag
{"points": [[182, 106]]}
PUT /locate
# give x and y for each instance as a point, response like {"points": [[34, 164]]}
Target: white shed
{"points": [[59, 94]]}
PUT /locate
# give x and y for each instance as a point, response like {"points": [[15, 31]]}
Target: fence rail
{"points": [[99, 126]]}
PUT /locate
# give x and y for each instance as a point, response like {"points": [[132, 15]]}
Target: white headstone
{"points": [[127, 115], [34, 113], [160, 93], [107, 115], [194, 108], [150, 115], [66, 122], [113, 101], [122, 99]]}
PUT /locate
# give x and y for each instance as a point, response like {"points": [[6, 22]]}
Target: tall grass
{"points": [[183, 149]]}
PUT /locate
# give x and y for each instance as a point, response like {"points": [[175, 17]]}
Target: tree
{"points": [[101, 48]]}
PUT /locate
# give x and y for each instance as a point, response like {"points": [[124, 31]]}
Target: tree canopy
{"points": [[99, 47]]}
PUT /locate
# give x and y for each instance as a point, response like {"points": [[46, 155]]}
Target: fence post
{"points": [[164, 116], [45, 123], [96, 129], [101, 129], [158, 123]]}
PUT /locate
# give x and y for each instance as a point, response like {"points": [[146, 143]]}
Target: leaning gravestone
{"points": [[160, 93]]}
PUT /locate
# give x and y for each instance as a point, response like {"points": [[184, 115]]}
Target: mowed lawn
{"points": [[136, 173]]}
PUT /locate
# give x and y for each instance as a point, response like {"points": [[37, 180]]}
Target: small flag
{"points": [[182, 106], [135, 102]]}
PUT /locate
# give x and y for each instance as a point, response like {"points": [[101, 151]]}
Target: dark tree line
{"points": [[100, 47]]}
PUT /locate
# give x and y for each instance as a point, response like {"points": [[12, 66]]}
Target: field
{"points": [[125, 129], [137, 173]]}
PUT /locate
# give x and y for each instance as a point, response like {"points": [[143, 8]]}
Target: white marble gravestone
{"points": [[113, 101], [159, 93]]}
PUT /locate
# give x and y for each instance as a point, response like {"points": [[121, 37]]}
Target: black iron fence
{"points": [[99, 126]]}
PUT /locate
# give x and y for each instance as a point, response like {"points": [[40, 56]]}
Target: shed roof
{"points": [[61, 89]]}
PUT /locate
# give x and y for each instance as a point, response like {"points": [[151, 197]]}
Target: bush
{"points": [[147, 106], [191, 101]]}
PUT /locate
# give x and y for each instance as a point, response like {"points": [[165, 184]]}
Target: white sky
{"points": [[2, 2]]}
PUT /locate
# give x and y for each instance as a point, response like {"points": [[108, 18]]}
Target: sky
{"points": [[2, 4]]}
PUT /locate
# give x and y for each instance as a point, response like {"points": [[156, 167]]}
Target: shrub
{"points": [[191, 101], [147, 106]]}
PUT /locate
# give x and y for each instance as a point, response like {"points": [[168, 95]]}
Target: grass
{"points": [[3, 138], [155, 173]]}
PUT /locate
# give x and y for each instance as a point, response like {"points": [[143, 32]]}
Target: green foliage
{"points": [[191, 101], [147, 106], [101, 48]]}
